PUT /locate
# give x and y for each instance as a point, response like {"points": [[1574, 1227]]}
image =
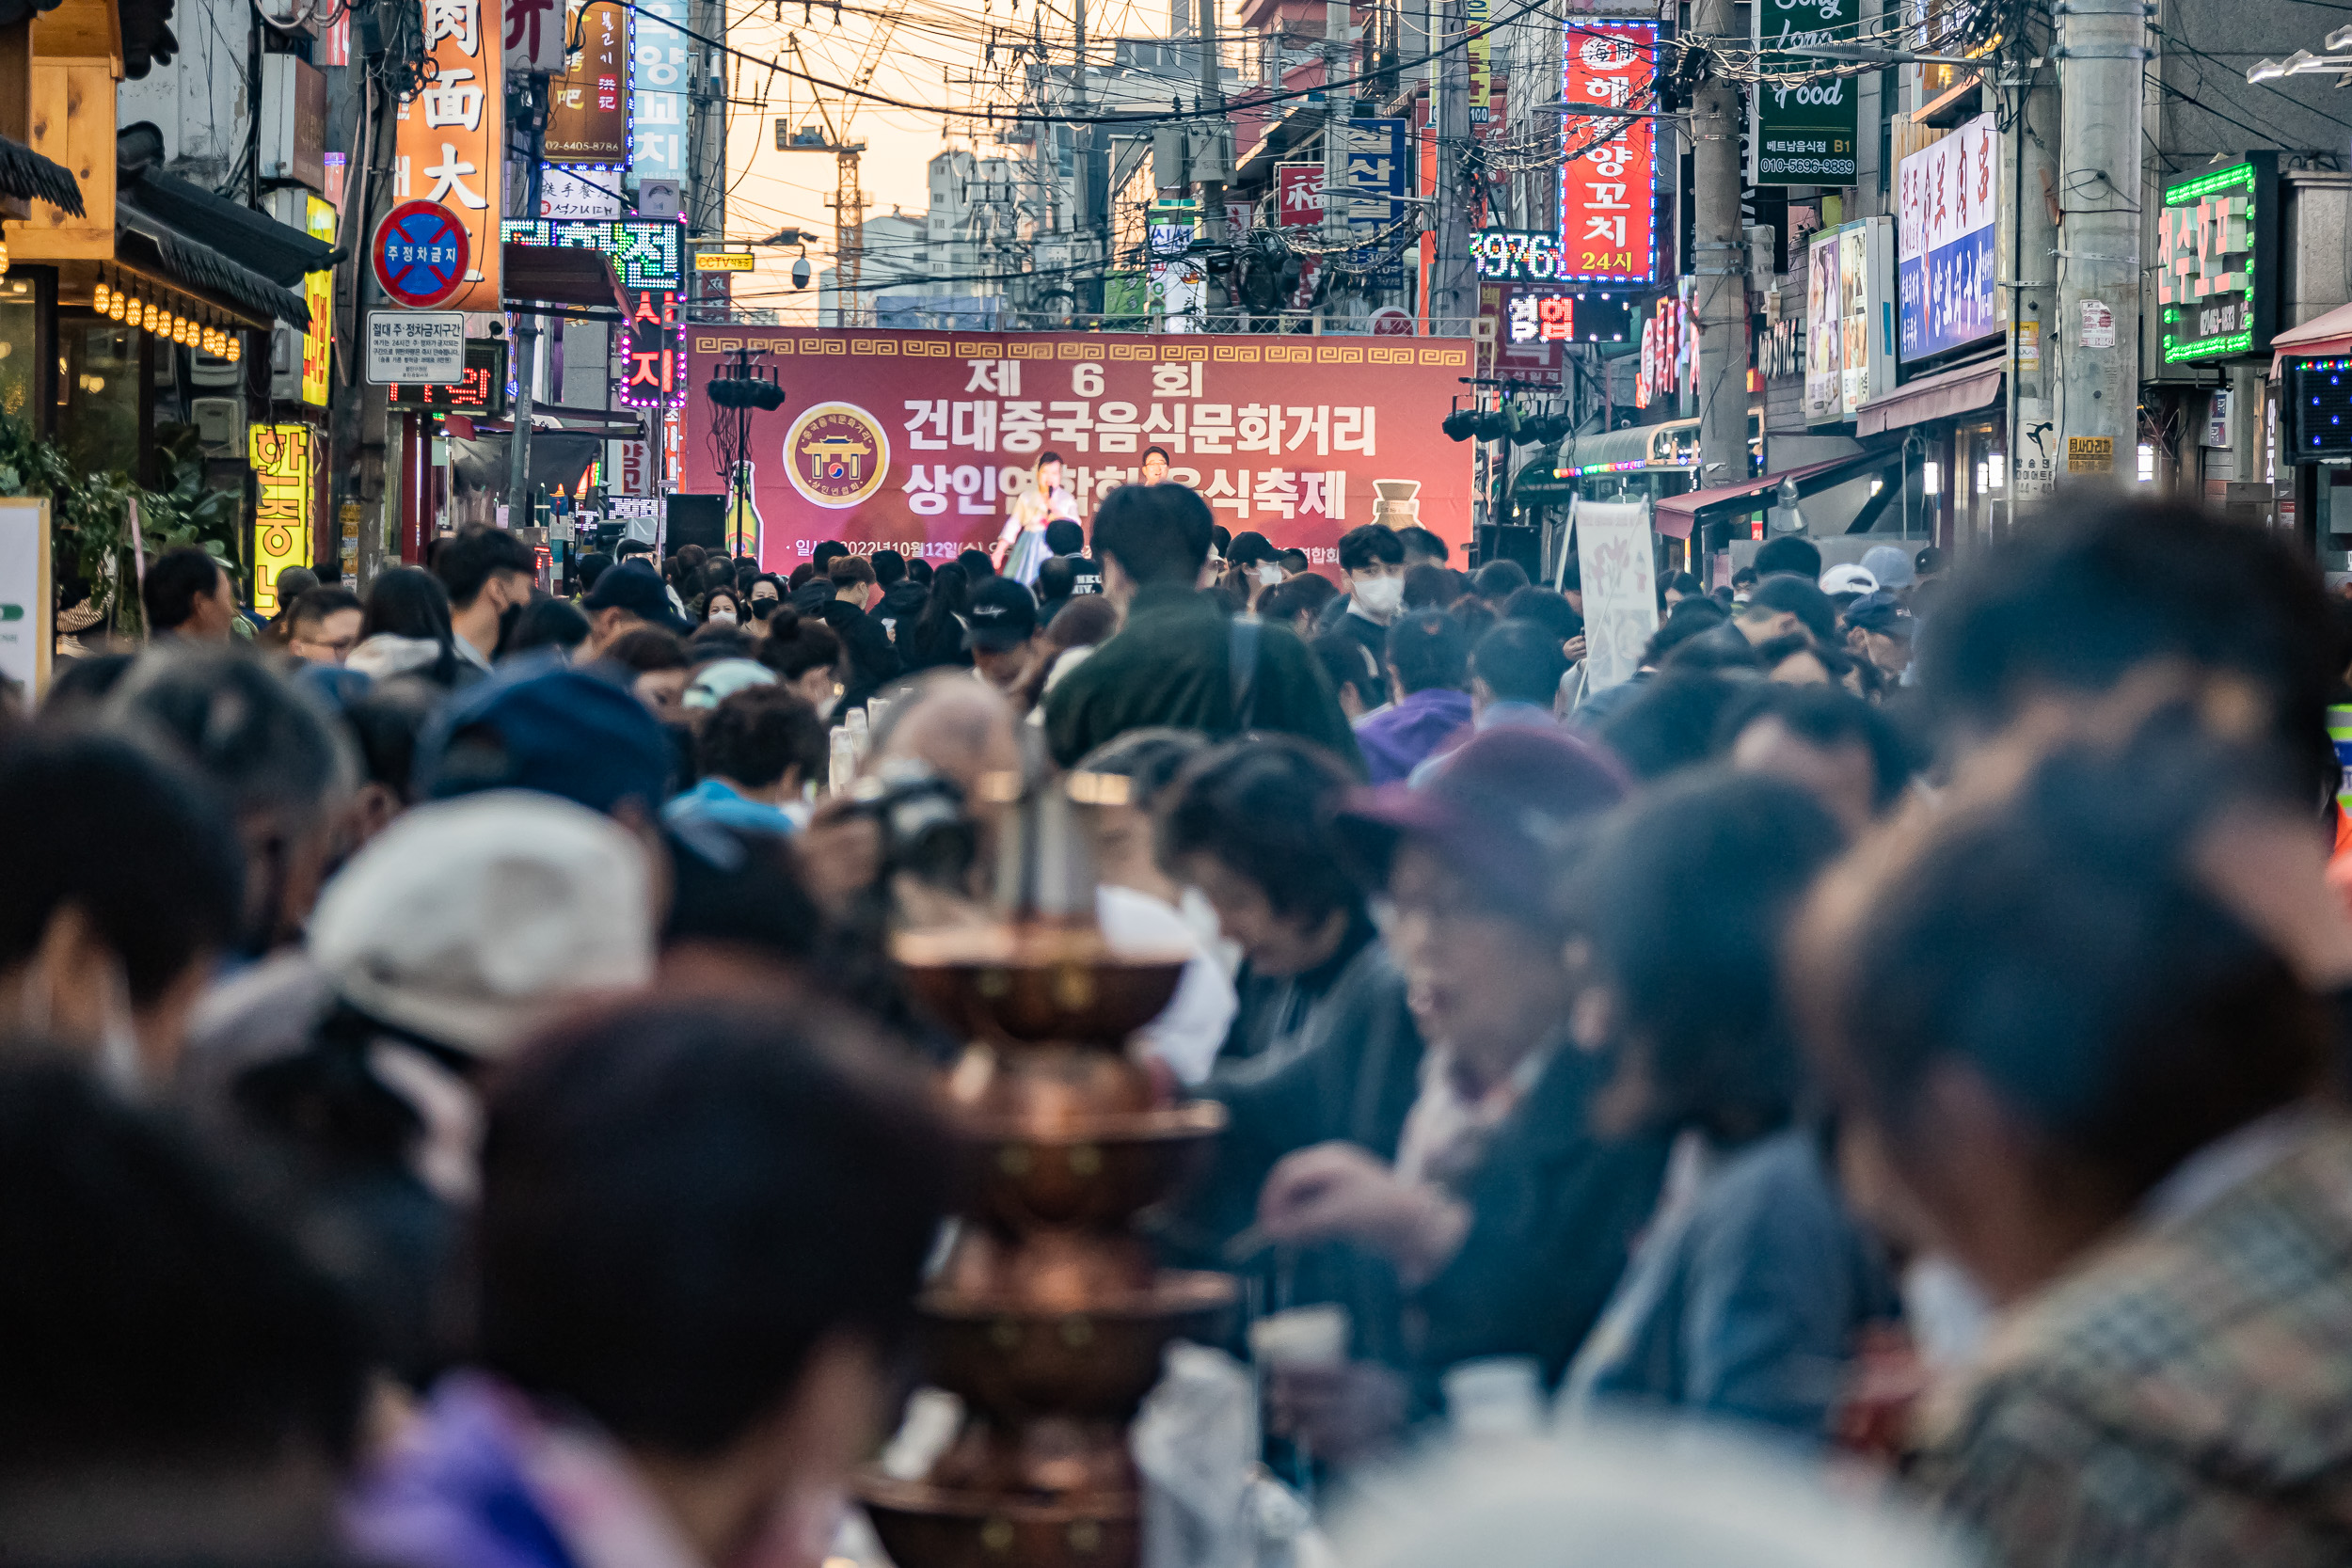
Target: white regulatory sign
{"points": [[414, 348]]}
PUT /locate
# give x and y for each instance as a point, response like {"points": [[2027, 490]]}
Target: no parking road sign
{"points": [[421, 254]]}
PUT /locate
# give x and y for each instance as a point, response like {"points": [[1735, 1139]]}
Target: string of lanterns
{"points": [[141, 305]]}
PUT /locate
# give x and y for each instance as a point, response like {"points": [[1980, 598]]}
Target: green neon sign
{"points": [[2215, 243]]}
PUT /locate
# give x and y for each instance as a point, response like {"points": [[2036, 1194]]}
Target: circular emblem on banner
{"points": [[421, 253], [836, 453], [1391, 320]]}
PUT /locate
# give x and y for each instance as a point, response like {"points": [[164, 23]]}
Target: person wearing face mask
{"points": [[1020, 550], [1252, 566], [722, 608], [487, 572], [1372, 566], [112, 913], [760, 600]]}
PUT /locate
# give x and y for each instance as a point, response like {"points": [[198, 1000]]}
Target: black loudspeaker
{"points": [[697, 520]]}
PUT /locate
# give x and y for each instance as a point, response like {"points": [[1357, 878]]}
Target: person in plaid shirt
{"points": [[2092, 1058]]}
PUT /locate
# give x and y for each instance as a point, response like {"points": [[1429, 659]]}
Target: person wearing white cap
{"points": [[350, 1070], [1848, 578]]}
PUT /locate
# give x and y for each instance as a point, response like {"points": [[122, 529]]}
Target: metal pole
{"points": [[1452, 292], [1719, 254], [2101, 56], [518, 487], [1211, 96], [1338, 208]]}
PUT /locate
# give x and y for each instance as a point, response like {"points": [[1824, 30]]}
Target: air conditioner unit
{"points": [[285, 362], [219, 425], [210, 370]]}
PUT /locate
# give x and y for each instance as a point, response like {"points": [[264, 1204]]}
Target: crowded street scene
{"points": [[1401, 783]]}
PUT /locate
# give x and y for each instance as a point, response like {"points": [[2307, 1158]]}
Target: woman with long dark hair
{"points": [[405, 630], [937, 636]]}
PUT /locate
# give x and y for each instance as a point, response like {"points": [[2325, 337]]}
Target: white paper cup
{"points": [[1302, 1337], [1496, 1397]]}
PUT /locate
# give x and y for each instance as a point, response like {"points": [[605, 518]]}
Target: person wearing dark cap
{"points": [[1252, 565], [626, 599], [1879, 629], [1504, 1219], [1791, 554], [1001, 633], [1781, 604], [563, 731]]}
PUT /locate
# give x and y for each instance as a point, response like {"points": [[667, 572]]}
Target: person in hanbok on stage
{"points": [[1020, 549]]}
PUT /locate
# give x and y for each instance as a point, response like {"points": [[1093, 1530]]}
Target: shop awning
{"points": [[253, 242], [27, 175], [1962, 389], [1607, 448], [148, 244], [1678, 517], [562, 274], [2322, 335]]}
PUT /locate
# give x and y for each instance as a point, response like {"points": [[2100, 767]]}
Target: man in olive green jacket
{"points": [[1179, 660]]}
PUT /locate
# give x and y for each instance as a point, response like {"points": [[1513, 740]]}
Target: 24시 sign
{"points": [[918, 441]]}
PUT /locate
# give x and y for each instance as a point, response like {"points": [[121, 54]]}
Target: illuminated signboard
{"points": [[284, 470], [318, 292], [2319, 408], [1948, 195], [588, 118], [1517, 256], [450, 139], [650, 353], [2217, 241], [482, 391], [648, 253], [1608, 199]]}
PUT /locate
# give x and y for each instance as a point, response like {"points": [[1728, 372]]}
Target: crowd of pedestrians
{"points": [[458, 1108]]}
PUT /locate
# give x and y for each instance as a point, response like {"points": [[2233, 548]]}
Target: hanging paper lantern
{"points": [[101, 297]]}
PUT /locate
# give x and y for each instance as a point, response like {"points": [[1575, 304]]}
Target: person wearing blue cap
{"points": [[561, 731]]}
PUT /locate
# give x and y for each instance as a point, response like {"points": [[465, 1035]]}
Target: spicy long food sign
{"points": [[918, 442]]}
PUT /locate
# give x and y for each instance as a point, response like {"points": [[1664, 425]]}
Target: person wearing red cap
{"points": [[1504, 1219]]}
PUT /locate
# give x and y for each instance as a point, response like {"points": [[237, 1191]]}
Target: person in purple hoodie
{"points": [[701, 1231], [1428, 669]]}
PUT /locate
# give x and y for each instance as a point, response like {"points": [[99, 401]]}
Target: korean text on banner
{"points": [[660, 126], [1613, 551], [918, 442], [588, 106], [1803, 127], [449, 140], [1608, 205], [1947, 197], [283, 465]]}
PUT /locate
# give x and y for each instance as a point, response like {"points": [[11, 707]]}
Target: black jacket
{"points": [[895, 612], [1171, 664], [872, 659]]}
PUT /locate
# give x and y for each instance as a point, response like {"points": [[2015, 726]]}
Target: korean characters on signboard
{"points": [[449, 140], [588, 106], [1946, 203], [1608, 207]]}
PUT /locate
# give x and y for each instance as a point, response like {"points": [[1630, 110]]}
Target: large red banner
{"points": [[918, 442]]}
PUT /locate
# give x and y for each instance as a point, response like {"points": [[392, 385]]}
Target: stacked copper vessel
{"points": [[1048, 1318]]}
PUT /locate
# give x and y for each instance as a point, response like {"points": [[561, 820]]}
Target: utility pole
{"points": [[1337, 207], [1720, 262], [1211, 97], [2100, 51], [1082, 161], [1453, 291], [519, 510], [2032, 301]]}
